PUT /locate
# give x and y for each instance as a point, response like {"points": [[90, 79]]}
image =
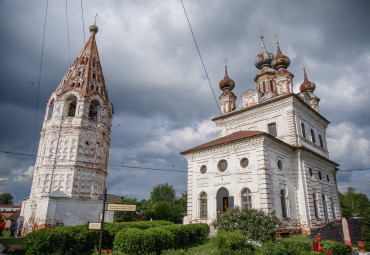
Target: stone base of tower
{"points": [[60, 211]]}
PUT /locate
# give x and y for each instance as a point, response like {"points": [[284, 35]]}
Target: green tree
{"points": [[352, 202], [163, 204], [163, 192], [6, 199]]}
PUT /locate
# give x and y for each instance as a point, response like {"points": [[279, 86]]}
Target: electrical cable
{"points": [[69, 48], [201, 59], [39, 81], [83, 22]]}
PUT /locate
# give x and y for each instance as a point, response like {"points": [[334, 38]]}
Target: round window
{"points": [[310, 171], [280, 164], [222, 165], [320, 176], [327, 178], [244, 162], [203, 169]]}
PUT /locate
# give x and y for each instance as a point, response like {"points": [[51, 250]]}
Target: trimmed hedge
{"points": [[79, 240], [138, 241], [336, 247], [62, 240], [286, 248]]}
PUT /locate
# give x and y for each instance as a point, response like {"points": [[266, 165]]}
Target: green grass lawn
{"points": [[6, 240], [296, 238]]}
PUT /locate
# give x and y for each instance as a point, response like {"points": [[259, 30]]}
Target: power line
{"points": [[201, 59], [69, 48], [38, 85], [178, 170], [83, 22]]}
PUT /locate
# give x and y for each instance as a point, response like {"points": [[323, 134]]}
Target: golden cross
{"points": [[303, 64], [276, 37], [226, 62], [261, 29], [96, 15]]}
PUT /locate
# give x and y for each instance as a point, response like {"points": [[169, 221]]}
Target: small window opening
{"points": [[327, 178], [79, 73], [280, 165], [271, 85], [97, 88], [87, 143], [310, 171], [315, 207], [320, 176], [313, 136], [94, 110], [264, 87], [272, 129], [78, 85], [94, 76], [321, 143], [93, 63], [92, 87], [72, 109], [303, 130]]}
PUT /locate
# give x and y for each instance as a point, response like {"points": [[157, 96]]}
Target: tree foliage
{"points": [[163, 193], [352, 202], [6, 199]]}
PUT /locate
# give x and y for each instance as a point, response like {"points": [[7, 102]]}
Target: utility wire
{"points": [[39, 82], [178, 170], [200, 55], [210, 31], [83, 22], [69, 48]]}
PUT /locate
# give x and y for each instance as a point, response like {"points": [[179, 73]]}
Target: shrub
{"points": [[336, 247], [253, 223], [62, 240], [197, 233], [181, 236], [235, 241], [137, 241], [286, 248]]}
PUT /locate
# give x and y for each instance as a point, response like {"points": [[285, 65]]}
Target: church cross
{"points": [[261, 29], [276, 37], [96, 15], [226, 62]]}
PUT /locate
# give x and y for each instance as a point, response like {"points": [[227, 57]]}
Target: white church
{"points": [[271, 153], [71, 167]]}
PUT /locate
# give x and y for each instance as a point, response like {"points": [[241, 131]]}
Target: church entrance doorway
{"points": [[224, 201]]}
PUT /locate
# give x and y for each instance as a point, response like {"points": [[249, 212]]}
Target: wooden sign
{"points": [[124, 208], [94, 225], [114, 199], [346, 233]]}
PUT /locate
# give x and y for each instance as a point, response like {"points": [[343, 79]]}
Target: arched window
{"points": [[315, 207], [325, 207], [203, 205], [284, 204], [321, 143], [332, 207], [50, 110], [313, 136], [271, 85], [303, 130], [71, 104], [264, 87], [94, 110], [246, 198]]}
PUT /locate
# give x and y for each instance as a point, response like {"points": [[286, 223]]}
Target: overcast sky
{"points": [[162, 101]]}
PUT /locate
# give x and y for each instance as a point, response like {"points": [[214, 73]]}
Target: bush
{"points": [[286, 248], [336, 247], [137, 241], [234, 241], [181, 236], [197, 233], [62, 240], [254, 224]]}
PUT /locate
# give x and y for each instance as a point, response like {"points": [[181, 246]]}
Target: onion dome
{"points": [[226, 83], [307, 85], [280, 60], [264, 58], [94, 28]]}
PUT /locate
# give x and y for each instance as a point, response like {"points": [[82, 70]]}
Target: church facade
{"points": [[271, 153], [70, 172]]}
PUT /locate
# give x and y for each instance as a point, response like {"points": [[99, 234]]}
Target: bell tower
{"points": [[72, 161]]}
